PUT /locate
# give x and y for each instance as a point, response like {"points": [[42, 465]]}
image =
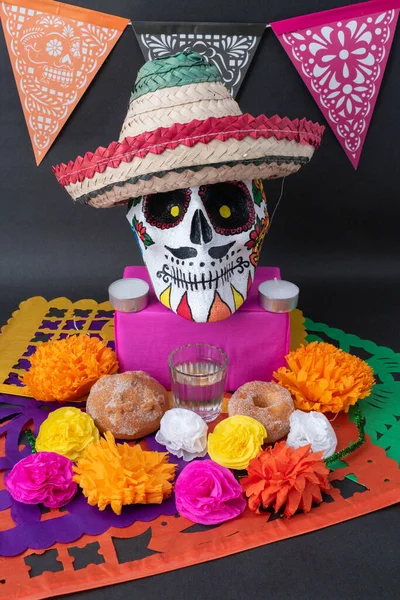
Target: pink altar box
{"points": [[255, 341]]}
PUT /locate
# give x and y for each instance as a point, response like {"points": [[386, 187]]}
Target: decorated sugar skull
{"points": [[201, 245], [190, 166]]}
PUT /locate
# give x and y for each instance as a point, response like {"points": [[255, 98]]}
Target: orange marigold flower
{"points": [[283, 477], [324, 378], [119, 474], [65, 370]]}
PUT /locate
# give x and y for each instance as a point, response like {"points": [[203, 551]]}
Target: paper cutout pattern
{"points": [[173, 542], [380, 410], [132, 551], [38, 320], [230, 46], [54, 59], [78, 517], [342, 63]]}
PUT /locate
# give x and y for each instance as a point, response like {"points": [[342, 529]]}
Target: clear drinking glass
{"points": [[198, 375]]}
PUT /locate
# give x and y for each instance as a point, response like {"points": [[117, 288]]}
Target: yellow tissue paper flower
{"points": [[235, 441], [117, 474], [67, 431]]}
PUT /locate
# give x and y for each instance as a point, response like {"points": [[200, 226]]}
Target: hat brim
{"points": [[187, 155]]}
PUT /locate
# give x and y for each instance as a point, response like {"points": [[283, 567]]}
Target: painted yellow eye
{"points": [[174, 211], [225, 211]]}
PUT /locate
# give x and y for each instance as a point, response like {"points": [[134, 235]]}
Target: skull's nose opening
{"points": [[200, 231]]}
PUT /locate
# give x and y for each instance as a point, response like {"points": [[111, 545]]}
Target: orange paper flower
{"points": [[65, 370], [283, 477], [119, 474], [322, 377]]}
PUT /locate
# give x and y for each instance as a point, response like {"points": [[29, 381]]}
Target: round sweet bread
{"points": [[129, 404], [269, 403]]}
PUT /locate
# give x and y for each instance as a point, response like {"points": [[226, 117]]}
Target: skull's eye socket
{"points": [[229, 206], [165, 210]]}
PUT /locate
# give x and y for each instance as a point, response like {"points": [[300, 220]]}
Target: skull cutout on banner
{"points": [[54, 59], [201, 245], [53, 46]]}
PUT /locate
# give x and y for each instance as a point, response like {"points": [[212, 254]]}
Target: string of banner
{"points": [[267, 26], [341, 55]]}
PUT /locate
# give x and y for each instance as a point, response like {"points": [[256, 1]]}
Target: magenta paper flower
{"points": [[207, 493], [44, 477]]}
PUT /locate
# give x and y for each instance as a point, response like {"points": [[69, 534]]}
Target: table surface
{"points": [[355, 559]]}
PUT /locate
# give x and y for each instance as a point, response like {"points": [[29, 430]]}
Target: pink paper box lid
{"points": [[255, 341]]}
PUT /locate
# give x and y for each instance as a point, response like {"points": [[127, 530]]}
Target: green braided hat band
{"points": [[183, 68]]}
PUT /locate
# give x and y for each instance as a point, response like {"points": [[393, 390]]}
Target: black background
{"points": [[335, 235]]}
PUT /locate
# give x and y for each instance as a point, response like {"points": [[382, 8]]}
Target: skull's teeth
{"points": [[57, 75], [191, 281]]}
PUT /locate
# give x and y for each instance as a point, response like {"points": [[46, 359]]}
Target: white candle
{"points": [[277, 295], [129, 295]]}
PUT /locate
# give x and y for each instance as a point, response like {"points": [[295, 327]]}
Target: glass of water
{"points": [[198, 375]]}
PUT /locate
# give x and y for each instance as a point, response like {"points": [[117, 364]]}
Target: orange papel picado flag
{"points": [[55, 50]]}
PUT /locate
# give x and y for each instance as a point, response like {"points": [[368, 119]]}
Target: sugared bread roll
{"points": [[130, 404]]}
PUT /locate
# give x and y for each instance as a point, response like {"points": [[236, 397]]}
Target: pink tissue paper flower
{"points": [[44, 477], [207, 493]]}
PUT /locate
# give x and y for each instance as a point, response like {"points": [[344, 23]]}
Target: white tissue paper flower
{"points": [[312, 428], [183, 433]]}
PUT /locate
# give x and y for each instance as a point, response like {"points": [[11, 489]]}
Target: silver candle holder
{"points": [[129, 295], [278, 296]]}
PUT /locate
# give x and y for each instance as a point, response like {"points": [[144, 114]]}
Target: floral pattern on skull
{"points": [[204, 245]]}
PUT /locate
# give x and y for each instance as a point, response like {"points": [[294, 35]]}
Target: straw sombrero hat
{"points": [[184, 129]]}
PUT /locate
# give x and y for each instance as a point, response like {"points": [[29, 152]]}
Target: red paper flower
{"points": [[283, 477]]}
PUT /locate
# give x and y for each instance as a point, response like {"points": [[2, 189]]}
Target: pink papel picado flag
{"points": [[341, 55]]}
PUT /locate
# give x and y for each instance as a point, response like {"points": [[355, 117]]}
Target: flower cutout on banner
{"points": [[54, 47], [76, 49], [160, 46], [50, 21], [68, 31]]}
